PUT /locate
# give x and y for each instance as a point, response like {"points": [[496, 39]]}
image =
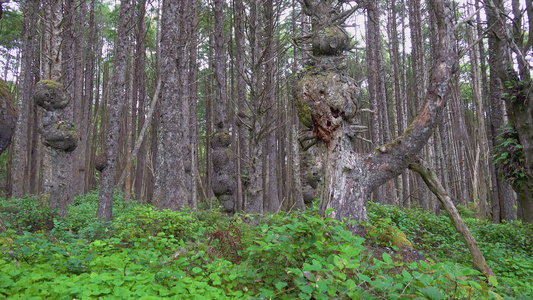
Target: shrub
{"points": [[31, 213]]}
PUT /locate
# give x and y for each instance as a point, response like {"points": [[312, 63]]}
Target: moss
{"points": [[68, 127], [4, 90], [395, 237], [385, 147], [304, 113], [51, 84], [334, 31]]}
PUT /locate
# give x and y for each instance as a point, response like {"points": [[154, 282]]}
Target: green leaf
{"points": [[387, 258], [322, 286], [306, 289], [280, 285], [493, 281], [364, 278], [5, 281], [432, 293]]}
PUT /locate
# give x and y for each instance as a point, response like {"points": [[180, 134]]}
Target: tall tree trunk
{"points": [[224, 183], [173, 190], [502, 193], [107, 181], [21, 157], [193, 99], [272, 200], [242, 130], [140, 86], [255, 191]]}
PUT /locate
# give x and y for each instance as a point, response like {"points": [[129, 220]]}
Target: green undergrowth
{"points": [[146, 253], [507, 247]]}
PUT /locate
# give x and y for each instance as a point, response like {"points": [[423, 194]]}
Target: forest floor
{"points": [[147, 253]]}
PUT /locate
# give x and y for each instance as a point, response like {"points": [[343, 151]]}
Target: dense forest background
{"points": [[195, 103]]}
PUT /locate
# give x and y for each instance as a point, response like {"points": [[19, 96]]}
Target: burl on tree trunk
{"points": [[58, 134], [8, 116], [327, 102]]}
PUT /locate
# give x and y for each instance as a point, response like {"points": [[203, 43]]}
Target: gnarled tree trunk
{"points": [[328, 96]]}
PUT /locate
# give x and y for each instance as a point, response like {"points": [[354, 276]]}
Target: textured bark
{"points": [[254, 191], [272, 199], [173, 190], [8, 116], [223, 181], [60, 136], [242, 131], [140, 94], [330, 97], [21, 157], [434, 184], [193, 100], [502, 192], [107, 179], [85, 128]]}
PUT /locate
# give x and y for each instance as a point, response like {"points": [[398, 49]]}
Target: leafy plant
{"points": [[509, 156], [151, 253], [31, 213]]}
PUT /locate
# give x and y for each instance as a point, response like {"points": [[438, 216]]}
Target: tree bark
{"points": [[21, 157], [173, 190], [107, 181], [242, 131], [434, 184], [329, 95], [502, 193], [223, 181], [8, 116]]}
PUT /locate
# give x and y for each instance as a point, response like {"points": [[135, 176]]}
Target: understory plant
{"points": [[147, 253]]}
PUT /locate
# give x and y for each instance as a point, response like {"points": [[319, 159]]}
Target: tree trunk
{"points": [[502, 194], [107, 180], [173, 190], [8, 116], [224, 184], [242, 157], [272, 200], [329, 96], [21, 157]]}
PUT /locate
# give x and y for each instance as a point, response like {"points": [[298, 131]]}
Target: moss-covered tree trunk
{"points": [[8, 116], [327, 97]]}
